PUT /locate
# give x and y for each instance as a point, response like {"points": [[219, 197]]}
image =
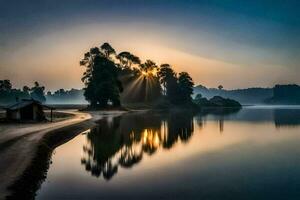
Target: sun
{"points": [[152, 72], [144, 73]]}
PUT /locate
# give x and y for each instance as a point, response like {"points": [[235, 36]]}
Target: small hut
{"points": [[27, 110]]}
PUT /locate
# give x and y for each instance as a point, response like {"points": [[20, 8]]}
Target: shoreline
{"points": [[20, 151]]}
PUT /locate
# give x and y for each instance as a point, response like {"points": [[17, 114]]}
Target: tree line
{"points": [[112, 77], [8, 94]]}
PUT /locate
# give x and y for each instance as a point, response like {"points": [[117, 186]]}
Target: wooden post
{"points": [[51, 115]]}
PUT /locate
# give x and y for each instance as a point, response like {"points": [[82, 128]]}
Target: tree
{"points": [[107, 49], [37, 92], [26, 89], [148, 67], [185, 83], [168, 79], [101, 78], [127, 59], [220, 87], [5, 85]]}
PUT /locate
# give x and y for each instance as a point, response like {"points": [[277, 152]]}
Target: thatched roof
{"points": [[26, 102]]}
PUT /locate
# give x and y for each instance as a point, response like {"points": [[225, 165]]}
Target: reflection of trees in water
{"points": [[217, 114], [178, 127], [123, 141], [103, 141], [286, 117]]}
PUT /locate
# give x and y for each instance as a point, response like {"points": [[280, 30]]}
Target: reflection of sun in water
{"points": [[151, 138]]}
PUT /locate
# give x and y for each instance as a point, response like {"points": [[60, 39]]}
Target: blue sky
{"points": [[234, 43]]}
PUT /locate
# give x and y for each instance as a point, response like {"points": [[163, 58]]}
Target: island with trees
{"points": [[111, 78]]}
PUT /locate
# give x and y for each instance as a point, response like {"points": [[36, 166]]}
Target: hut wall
{"points": [[15, 115], [35, 111]]}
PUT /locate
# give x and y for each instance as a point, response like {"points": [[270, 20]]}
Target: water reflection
{"points": [[280, 116], [250, 145], [122, 141], [286, 117], [217, 114]]}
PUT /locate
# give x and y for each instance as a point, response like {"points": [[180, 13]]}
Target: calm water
{"points": [[253, 153]]}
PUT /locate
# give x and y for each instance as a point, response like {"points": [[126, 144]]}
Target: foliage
{"points": [[101, 77], [285, 94], [127, 60], [186, 84], [107, 50], [178, 90], [5, 85], [216, 101], [37, 92], [61, 96], [168, 79], [148, 67], [10, 95]]}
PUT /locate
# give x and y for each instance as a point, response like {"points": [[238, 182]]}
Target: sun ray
{"points": [[132, 88]]}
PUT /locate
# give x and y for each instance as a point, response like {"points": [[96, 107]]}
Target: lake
{"points": [[252, 153]]}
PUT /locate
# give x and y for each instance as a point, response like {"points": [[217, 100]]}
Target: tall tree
{"points": [[167, 78], [101, 78], [185, 84]]}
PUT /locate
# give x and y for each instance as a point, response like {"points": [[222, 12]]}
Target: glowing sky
{"points": [[234, 43]]}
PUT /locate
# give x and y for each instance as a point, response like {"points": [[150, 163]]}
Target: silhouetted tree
{"points": [[37, 92], [5, 85], [148, 66], [127, 59], [168, 79], [101, 78], [166, 74], [186, 85], [26, 89], [107, 49]]}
